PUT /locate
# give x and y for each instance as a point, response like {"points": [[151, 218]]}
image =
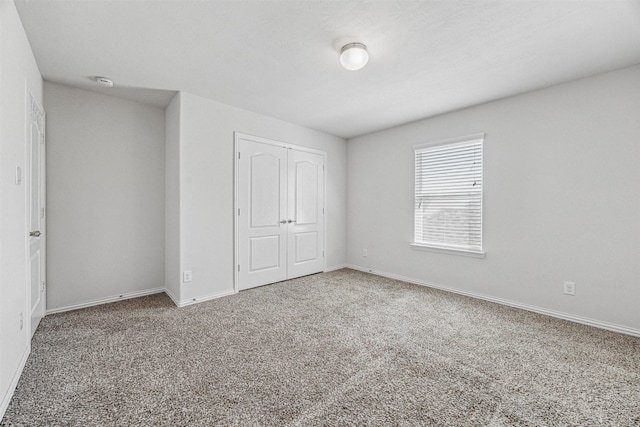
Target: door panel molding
{"points": [[259, 245], [261, 202]]}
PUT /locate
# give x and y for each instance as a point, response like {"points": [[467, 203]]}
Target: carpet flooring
{"points": [[333, 349]]}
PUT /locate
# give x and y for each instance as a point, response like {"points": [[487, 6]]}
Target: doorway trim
{"points": [[237, 136]]}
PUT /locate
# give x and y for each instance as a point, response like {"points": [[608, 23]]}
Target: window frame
{"points": [[445, 249]]}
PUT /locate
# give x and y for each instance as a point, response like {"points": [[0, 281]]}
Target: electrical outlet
{"points": [[569, 288], [364, 253], [21, 321], [187, 276]]}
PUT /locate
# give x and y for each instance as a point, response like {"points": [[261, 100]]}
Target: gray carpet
{"points": [[341, 348]]}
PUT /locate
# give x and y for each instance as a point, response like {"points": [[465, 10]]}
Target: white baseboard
{"points": [[192, 301], [137, 294], [560, 315], [106, 300], [14, 381], [173, 298], [335, 267]]}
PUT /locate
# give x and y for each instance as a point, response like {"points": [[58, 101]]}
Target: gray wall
{"points": [[105, 177], [18, 73], [561, 201], [206, 188]]}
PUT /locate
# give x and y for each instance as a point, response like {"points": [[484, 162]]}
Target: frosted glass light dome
{"points": [[354, 56]]}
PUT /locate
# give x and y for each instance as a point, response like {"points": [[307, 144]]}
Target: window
{"points": [[448, 196]]}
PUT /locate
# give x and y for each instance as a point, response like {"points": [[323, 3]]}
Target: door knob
{"points": [[34, 234], [291, 220], [284, 221]]}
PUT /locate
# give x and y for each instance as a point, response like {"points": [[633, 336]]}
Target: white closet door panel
{"points": [[262, 181], [306, 203], [37, 232]]}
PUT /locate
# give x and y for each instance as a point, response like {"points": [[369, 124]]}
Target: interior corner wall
{"points": [[172, 199], [18, 73], [561, 199], [105, 197], [207, 187]]}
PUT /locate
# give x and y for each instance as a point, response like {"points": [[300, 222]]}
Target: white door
{"points": [[306, 205], [36, 212], [280, 203], [262, 213]]}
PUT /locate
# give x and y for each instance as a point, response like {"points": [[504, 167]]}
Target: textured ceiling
{"points": [[280, 57]]}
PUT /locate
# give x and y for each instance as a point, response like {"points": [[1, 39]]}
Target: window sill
{"points": [[450, 251]]}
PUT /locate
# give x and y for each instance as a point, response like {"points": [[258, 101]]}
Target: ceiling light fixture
{"points": [[354, 56], [104, 81]]}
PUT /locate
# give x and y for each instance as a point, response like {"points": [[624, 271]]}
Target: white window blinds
{"points": [[448, 194]]}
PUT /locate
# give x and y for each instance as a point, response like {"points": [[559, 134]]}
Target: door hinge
{"points": [[41, 212], [238, 155], [42, 287], [238, 268], [322, 254], [238, 211]]}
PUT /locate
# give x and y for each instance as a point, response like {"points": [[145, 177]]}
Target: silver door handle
{"points": [[284, 221], [34, 234], [291, 220]]}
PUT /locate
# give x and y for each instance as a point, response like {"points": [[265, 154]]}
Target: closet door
{"points": [[262, 214], [280, 208], [306, 206]]}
